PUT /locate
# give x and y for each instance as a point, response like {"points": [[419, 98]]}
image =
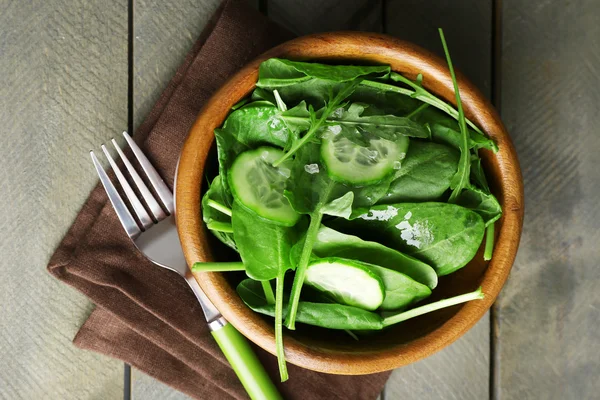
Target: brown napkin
{"points": [[145, 315]]}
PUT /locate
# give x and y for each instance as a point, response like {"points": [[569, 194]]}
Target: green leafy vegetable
{"points": [[347, 282], [484, 204], [445, 236], [265, 251], [438, 305], [264, 247], [331, 243], [400, 290], [425, 173], [460, 180], [325, 315], [322, 144], [338, 316], [277, 72], [216, 195]]}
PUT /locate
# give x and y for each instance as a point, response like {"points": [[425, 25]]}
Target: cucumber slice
{"points": [[347, 281], [259, 186], [349, 162]]}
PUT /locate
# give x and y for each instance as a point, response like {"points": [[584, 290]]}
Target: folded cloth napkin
{"points": [[145, 315]]}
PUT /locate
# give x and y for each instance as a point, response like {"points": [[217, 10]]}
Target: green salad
{"points": [[347, 190]]}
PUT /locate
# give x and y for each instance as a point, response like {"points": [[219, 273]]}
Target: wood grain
{"points": [[418, 21], [461, 371], [63, 91], [397, 346], [309, 16], [164, 32], [549, 312]]}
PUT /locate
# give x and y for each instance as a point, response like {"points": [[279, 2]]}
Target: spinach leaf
{"points": [[340, 207], [425, 173], [216, 194], [276, 72], [325, 315], [400, 290], [383, 101], [484, 204], [265, 250], [331, 243], [228, 149], [259, 123], [263, 246], [445, 236]]}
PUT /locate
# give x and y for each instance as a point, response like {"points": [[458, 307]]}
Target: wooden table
{"points": [[74, 73]]}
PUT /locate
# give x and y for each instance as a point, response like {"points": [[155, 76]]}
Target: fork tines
{"points": [[146, 218]]}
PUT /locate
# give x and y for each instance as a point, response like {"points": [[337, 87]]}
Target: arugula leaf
{"points": [[461, 178], [445, 236], [276, 72], [316, 123], [478, 175], [425, 173], [445, 130], [353, 123]]}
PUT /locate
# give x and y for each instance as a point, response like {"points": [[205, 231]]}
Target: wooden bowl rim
{"points": [[404, 57]]}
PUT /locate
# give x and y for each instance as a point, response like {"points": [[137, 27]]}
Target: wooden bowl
{"points": [[334, 351]]}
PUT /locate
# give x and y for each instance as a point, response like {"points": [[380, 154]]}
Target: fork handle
{"points": [[246, 365]]}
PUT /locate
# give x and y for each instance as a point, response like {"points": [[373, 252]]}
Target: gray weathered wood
{"points": [[309, 16], [144, 387], [467, 26], [63, 91], [549, 312], [164, 33], [460, 371]]}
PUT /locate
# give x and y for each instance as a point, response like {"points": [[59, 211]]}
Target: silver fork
{"points": [[157, 239]]}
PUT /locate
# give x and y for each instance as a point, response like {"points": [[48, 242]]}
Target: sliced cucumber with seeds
{"points": [[347, 281], [349, 162], [259, 186]]}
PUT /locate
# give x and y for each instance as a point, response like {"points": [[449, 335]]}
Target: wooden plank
{"points": [[63, 91], [461, 371], [145, 387], [309, 16], [548, 313], [418, 21], [164, 33]]}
